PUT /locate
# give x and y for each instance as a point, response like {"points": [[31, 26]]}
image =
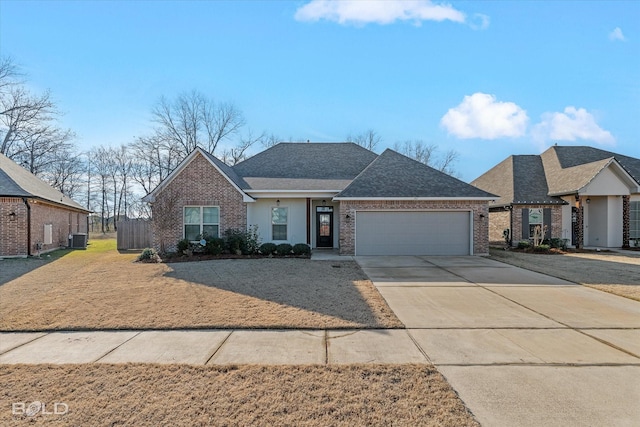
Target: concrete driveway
{"points": [[520, 348]]}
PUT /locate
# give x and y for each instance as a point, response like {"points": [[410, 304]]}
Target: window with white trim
{"points": [[634, 222], [201, 221], [279, 222]]}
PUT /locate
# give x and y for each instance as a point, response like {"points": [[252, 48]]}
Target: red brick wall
{"points": [[480, 225], [498, 222], [556, 221], [63, 221], [13, 234], [198, 184]]}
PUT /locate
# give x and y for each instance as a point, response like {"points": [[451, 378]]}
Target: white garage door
{"points": [[413, 233]]}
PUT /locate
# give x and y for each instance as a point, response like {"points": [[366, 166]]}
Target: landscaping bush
{"points": [[214, 246], [301, 249], [556, 243], [242, 242], [284, 249], [523, 244], [542, 248], [268, 248], [149, 255], [183, 245]]}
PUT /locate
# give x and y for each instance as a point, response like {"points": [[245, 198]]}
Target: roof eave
{"points": [[414, 198]]}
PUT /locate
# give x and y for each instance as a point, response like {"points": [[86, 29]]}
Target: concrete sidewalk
{"points": [[273, 347]]}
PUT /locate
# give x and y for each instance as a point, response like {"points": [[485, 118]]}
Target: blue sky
{"points": [[487, 79]]}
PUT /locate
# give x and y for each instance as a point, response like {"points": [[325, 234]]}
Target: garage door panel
{"points": [[412, 233]]}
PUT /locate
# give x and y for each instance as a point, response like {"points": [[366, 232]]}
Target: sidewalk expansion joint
{"points": [[217, 349], [116, 347], [24, 343]]}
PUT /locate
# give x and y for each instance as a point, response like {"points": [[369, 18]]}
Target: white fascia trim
{"points": [[414, 198], [289, 194]]}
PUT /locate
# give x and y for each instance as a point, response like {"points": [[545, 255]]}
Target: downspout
{"points": [[26, 202]]}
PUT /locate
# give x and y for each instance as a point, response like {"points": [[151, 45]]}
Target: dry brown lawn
{"points": [[611, 272], [183, 395], [103, 289]]}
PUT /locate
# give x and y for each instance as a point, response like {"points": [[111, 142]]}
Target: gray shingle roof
{"points": [[536, 179], [335, 161], [227, 170], [15, 181], [297, 184], [579, 155], [394, 175]]}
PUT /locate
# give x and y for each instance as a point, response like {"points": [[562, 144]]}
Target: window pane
{"points": [[279, 232], [210, 216], [192, 215], [535, 216], [210, 230], [279, 216], [191, 232]]}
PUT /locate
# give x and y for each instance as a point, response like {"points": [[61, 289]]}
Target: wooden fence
{"points": [[134, 234]]}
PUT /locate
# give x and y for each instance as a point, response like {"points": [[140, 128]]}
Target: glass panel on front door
{"points": [[324, 228]]}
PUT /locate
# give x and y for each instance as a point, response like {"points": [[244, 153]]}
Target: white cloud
{"points": [[479, 22], [360, 12], [573, 123], [482, 116], [616, 34]]}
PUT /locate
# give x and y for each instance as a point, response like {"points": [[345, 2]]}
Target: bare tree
{"points": [[193, 120], [29, 133], [427, 154], [238, 153], [368, 139], [102, 166], [66, 173]]}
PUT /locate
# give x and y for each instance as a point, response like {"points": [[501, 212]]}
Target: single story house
{"points": [[35, 217], [328, 195], [588, 196]]}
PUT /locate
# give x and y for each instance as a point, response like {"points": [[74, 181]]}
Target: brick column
{"points": [[580, 222], [626, 215]]}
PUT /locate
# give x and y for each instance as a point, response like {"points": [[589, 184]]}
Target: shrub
{"points": [[149, 254], [284, 249], [557, 243], [268, 248], [242, 242], [183, 245], [542, 248], [214, 246], [236, 241], [301, 249], [523, 244]]}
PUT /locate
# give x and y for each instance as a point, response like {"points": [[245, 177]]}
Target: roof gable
{"points": [[571, 156], [16, 181], [238, 183], [329, 161], [393, 175]]}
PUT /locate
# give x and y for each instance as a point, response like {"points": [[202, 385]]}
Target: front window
{"points": [[201, 221], [535, 220], [279, 220], [634, 223]]}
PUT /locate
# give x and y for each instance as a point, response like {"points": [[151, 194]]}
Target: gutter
{"points": [[26, 202]]}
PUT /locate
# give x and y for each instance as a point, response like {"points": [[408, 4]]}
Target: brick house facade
{"points": [[34, 217], [286, 183], [198, 184]]}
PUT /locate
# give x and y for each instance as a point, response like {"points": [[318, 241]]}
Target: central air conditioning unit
{"points": [[78, 241]]}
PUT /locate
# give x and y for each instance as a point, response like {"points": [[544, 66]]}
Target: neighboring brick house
{"points": [[588, 196], [34, 217], [328, 195]]}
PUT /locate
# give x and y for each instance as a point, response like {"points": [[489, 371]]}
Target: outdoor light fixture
{"points": [[481, 216], [588, 200], [278, 202], [324, 203], [12, 216]]}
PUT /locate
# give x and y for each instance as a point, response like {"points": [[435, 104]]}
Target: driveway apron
{"points": [[520, 348]]}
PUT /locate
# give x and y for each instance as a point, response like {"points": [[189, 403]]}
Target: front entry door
{"points": [[324, 229]]}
